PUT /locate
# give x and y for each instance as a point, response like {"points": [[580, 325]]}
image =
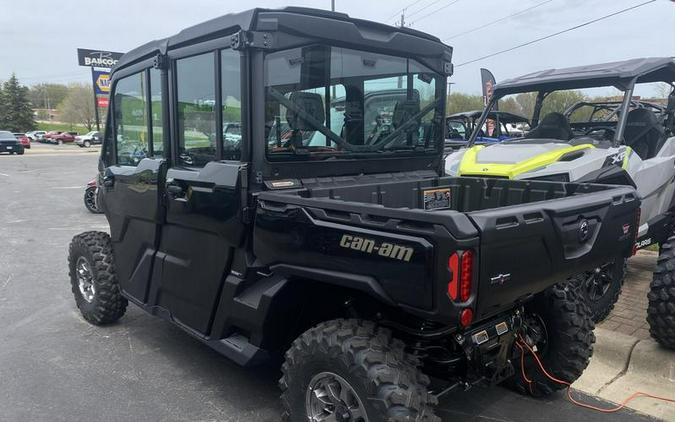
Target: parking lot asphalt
{"points": [[56, 367]]}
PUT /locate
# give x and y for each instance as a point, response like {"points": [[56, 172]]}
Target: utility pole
{"points": [[402, 25], [332, 5]]}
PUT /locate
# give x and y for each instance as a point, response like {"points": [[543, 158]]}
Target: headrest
{"points": [[311, 104], [404, 111]]}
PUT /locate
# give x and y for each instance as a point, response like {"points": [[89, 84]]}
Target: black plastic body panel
{"points": [[526, 231]]}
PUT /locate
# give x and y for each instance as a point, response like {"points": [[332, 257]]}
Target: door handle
{"points": [[175, 190]]}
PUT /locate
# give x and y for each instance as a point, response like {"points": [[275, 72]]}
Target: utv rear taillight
{"points": [[453, 266], [460, 265], [465, 275], [466, 317]]}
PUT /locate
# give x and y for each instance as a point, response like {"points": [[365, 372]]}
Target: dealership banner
{"points": [[97, 58], [488, 81]]}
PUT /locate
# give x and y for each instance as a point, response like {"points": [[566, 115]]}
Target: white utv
{"points": [[629, 144]]}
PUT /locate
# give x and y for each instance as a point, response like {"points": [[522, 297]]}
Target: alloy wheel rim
{"points": [[599, 281], [85, 279], [91, 198], [330, 398]]}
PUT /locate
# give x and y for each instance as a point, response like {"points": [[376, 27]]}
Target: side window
{"points": [[230, 70], [131, 120], [195, 79], [156, 112]]}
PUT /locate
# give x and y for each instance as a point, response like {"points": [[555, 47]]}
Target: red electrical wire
{"points": [[569, 386]]}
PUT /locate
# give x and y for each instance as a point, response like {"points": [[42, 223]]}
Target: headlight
{"points": [[560, 177]]}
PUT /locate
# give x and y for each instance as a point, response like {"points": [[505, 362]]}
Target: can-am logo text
{"points": [[385, 249]]}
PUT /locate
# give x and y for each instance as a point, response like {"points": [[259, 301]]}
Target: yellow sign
{"points": [[103, 83]]}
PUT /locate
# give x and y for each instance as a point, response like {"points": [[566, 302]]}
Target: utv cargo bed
{"points": [[393, 236]]}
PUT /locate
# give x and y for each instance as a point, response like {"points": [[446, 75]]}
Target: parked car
{"points": [[64, 137], [23, 140], [47, 138], [9, 143], [35, 135], [89, 139], [362, 263], [623, 143]]}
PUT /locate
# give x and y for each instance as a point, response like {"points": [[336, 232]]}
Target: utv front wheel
{"points": [[661, 308], [93, 279], [350, 370], [559, 327]]}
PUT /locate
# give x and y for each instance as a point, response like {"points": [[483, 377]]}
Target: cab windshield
{"points": [[323, 102]]}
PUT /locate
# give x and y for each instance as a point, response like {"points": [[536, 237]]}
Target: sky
{"points": [[39, 38]]}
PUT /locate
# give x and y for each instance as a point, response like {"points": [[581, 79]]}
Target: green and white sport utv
{"points": [[630, 144]]}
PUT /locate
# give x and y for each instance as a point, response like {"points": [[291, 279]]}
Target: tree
{"points": [[557, 101], [458, 102], [78, 106], [16, 114], [47, 95]]}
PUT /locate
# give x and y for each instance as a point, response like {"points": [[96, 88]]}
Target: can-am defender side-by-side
{"points": [[602, 144], [319, 235]]}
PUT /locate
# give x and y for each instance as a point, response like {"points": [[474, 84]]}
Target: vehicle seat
{"points": [[312, 105], [643, 133], [403, 112], [552, 126]]}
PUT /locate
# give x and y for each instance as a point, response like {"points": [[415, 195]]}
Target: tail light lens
{"points": [[453, 266], [461, 275], [466, 317], [465, 275]]}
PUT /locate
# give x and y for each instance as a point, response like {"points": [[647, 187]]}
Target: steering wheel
{"points": [[608, 134]]}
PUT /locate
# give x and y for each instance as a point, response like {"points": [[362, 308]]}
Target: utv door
{"points": [[133, 169], [203, 187]]}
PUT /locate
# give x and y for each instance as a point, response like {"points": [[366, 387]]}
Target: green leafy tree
{"points": [[47, 95], [557, 101], [458, 102], [78, 106], [15, 108]]}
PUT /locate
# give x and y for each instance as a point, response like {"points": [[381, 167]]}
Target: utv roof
{"points": [[503, 116], [339, 28], [619, 74]]}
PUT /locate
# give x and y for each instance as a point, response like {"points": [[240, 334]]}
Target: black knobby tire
{"points": [[569, 341], [107, 304], [661, 308], [385, 378], [601, 288]]}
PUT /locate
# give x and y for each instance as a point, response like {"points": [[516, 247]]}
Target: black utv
{"points": [[327, 231]]}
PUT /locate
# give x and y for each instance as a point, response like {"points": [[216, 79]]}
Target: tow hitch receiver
{"points": [[488, 349]]}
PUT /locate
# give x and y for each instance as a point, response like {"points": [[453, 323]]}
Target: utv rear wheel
{"points": [[601, 287], [558, 325], [350, 370], [93, 279], [661, 308]]}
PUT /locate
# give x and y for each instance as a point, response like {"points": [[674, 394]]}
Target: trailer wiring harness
{"points": [[523, 346]]}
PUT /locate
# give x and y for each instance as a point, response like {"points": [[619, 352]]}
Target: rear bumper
{"points": [[11, 148]]}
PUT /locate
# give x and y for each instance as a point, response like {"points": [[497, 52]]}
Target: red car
{"points": [[23, 140], [49, 135], [63, 137]]}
